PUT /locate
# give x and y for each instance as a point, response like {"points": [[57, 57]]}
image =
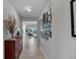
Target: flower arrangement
{"points": [[9, 24]]}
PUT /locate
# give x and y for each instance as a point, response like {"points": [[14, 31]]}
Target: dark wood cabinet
{"points": [[13, 48]]}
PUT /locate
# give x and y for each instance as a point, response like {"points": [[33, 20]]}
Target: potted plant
{"points": [[10, 23]]}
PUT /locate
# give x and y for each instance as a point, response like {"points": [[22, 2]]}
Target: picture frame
{"points": [[73, 17], [47, 24]]}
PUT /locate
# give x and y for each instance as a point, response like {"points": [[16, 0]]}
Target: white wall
{"points": [[8, 9], [62, 45], [29, 18], [38, 33]]}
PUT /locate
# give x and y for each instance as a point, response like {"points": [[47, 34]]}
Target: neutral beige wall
{"points": [[62, 45]]}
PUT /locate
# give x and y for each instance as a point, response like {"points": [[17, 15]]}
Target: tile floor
{"points": [[30, 50]]}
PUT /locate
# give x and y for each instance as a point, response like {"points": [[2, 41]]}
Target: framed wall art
{"points": [[73, 17], [47, 24]]}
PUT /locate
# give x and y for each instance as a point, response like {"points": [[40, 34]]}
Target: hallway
{"points": [[39, 29], [30, 50]]}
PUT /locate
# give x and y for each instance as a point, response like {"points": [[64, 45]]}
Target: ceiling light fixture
{"points": [[28, 9]]}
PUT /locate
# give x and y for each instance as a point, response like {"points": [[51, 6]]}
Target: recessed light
{"points": [[28, 9]]}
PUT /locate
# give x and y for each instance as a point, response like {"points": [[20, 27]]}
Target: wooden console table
{"points": [[13, 48]]}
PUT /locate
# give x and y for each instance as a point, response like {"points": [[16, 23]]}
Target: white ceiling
{"points": [[37, 7]]}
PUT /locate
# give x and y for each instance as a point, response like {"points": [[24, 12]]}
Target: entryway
{"points": [[30, 45]]}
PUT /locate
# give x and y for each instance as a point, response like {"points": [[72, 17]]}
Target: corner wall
{"points": [[62, 45]]}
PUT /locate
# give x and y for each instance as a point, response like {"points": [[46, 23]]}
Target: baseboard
{"points": [[43, 53]]}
